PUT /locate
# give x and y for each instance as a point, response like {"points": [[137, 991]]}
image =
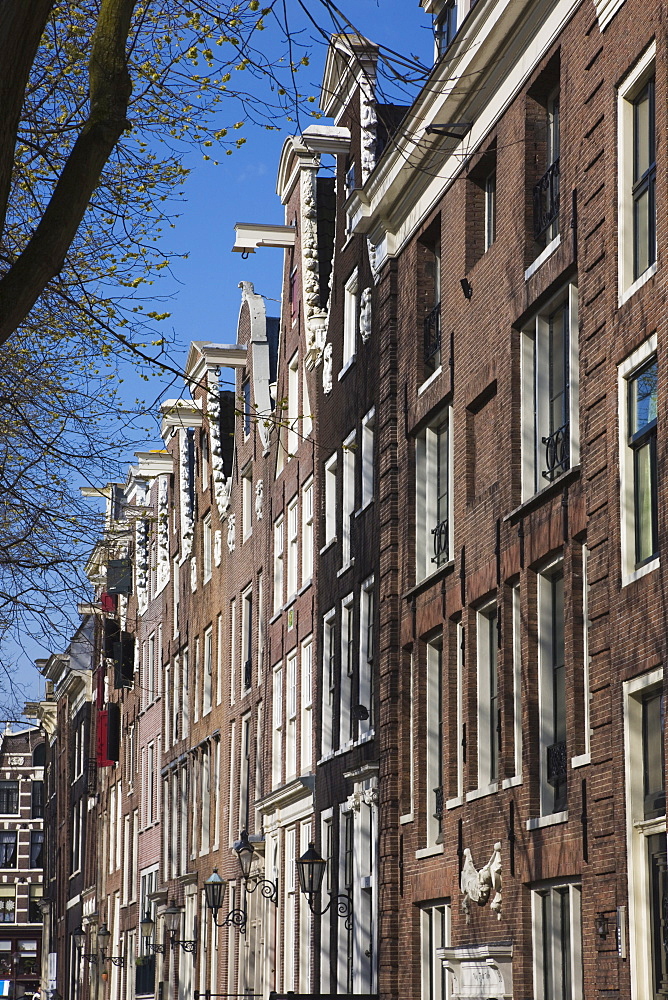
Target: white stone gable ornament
{"points": [[217, 546], [231, 532], [259, 496], [365, 315], [477, 886], [327, 368]]}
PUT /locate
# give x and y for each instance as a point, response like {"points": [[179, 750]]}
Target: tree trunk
{"points": [[110, 90]]}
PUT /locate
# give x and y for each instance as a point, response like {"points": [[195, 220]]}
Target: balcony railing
{"points": [[432, 337], [546, 200], [557, 768], [557, 452], [441, 535]]}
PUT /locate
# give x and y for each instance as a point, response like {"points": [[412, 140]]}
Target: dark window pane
{"points": [[652, 745], [9, 797]]}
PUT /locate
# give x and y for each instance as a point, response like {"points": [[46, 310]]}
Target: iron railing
{"points": [[557, 765], [557, 453], [432, 337], [546, 200], [438, 803], [441, 533], [248, 673]]}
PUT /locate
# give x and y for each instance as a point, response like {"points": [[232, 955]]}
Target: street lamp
{"points": [[311, 870], [173, 922], [79, 936], [147, 927], [103, 936], [244, 850], [214, 891]]}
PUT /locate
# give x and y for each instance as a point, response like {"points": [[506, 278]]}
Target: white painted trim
{"points": [[432, 378], [581, 760], [512, 782], [553, 819], [406, 818], [481, 793], [429, 852], [543, 256]]}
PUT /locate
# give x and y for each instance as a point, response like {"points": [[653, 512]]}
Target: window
{"points": [[368, 428], [277, 741], [205, 460], [552, 691], [445, 27], [307, 416], [9, 797], [246, 501], [350, 319], [330, 499], [278, 564], [328, 682], [206, 548], [481, 206], [429, 296], [207, 680], [293, 406], [638, 386], [557, 943], [644, 724], [364, 707], [490, 209], [247, 637], [37, 797], [7, 904], [546, 188], [348, 496], [291, 699], [307, 706], [434, 742], [434, 934], [293, 536], [36, 848], [517, 682], [307, 532], [177, 595], [246, 392], [550, 398], [205, 792], [244, 774], [8, 849], [489, 728], [346, 721], [434, 530], [35, 894], [39, 755], [233, 650], [637, 176]]}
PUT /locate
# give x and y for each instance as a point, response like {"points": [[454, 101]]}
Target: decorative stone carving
{"points": [[259, 497], [327, 368], [15, 761], [371, 796], [369, 121], [217, 546], [315, 319], [352, 803], [141, 565], [193, 574], [478, 885], [231, 532], [365, 315], [221, 488], [479, 972], [187, 518], [162, 573]]}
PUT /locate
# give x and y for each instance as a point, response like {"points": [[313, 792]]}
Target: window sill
{"points": [[542, 257], [539, 822], [344, 569], [637, 284], [206, 580], [290, 601], [429, 852], [363, 507], [328, 545], [348, 365], [406, 818], [428, 581], [637, 574], [513, 782], [304, 587], [546, 493], [365, 738], [581, 760], [432, 378], [249, 534], [454, 803], [275, 616], [482, 793]]}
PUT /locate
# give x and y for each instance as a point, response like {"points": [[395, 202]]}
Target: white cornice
{"points": [[498, 47]]}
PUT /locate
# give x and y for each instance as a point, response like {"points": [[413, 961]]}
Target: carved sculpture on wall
{"points": [[327, 368], [259, 497], [217, 546], [477, 886], [231, 532], [365, 315]]}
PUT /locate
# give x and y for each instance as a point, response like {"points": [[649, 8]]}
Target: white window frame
{"points": [[247, 502], [433, 747], [626, 370], [350, 321], [207, 675], [628, 89], [487, 662], [368, 456], [246, 637], [293, 545], [534, 374], [206, 548], [585, 756], [307, 705], [307, 532], [291, 715], [331, 467], [293, 406], [348, 498], [233, 651], [328, 682], [545, 682], [279, 551], [366, 655], [637, 831], [277, 731], [575, 931], [435, 929], [427, 510], [347, 661]]}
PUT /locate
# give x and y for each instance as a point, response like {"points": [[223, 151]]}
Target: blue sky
{"points": [[205, 296]]}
